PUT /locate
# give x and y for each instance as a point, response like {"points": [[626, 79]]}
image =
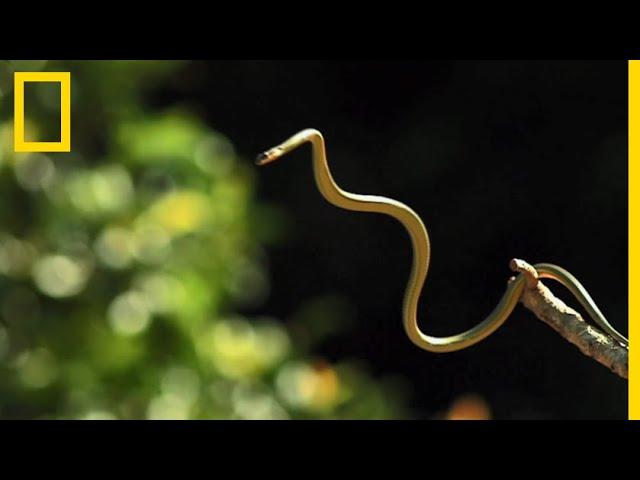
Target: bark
{"points": [[570, 324]]}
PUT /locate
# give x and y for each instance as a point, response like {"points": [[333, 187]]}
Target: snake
{"points": [[417, 231]]}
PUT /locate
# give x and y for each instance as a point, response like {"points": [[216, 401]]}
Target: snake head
{"points": [[269, 156], [300, 138]]}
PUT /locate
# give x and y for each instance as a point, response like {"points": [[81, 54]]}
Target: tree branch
{"points": [[570, 324]]}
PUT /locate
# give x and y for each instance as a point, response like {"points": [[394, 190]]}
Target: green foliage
{"points": [[125, 266]]}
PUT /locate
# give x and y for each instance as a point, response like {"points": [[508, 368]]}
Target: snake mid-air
{"points": [[421, 254]]}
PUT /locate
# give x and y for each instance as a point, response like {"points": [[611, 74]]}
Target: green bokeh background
{"points": [[126, 266]]}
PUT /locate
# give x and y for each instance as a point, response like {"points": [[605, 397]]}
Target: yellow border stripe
{"points": [[634, 238]]}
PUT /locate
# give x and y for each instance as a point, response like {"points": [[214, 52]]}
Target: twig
{"points": [[570, 324]]}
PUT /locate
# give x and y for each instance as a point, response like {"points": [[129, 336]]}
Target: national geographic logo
{"points": [[19, 142]]}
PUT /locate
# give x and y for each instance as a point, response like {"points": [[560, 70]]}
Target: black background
{"points": [[501, 159]]}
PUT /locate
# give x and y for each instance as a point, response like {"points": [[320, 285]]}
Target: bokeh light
{"points": [[129, 313], [469, 407], [60, 275]]}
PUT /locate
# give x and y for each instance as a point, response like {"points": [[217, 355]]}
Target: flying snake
{"points": [[421, 255]]}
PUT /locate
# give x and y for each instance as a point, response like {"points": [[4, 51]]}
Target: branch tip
{"points": [[530, 273]]}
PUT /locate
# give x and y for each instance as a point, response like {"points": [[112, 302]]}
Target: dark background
{"points": [[501, 159]]}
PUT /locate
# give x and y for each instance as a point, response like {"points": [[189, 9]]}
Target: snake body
{"points": [[421, 255]]}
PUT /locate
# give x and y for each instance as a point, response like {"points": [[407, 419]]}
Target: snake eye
{"points": [[261, 158]]}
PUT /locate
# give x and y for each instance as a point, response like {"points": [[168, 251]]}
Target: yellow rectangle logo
{"points": [[64, 145]]}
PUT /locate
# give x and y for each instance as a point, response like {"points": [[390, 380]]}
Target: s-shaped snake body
{"points": [[421, 255]]}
